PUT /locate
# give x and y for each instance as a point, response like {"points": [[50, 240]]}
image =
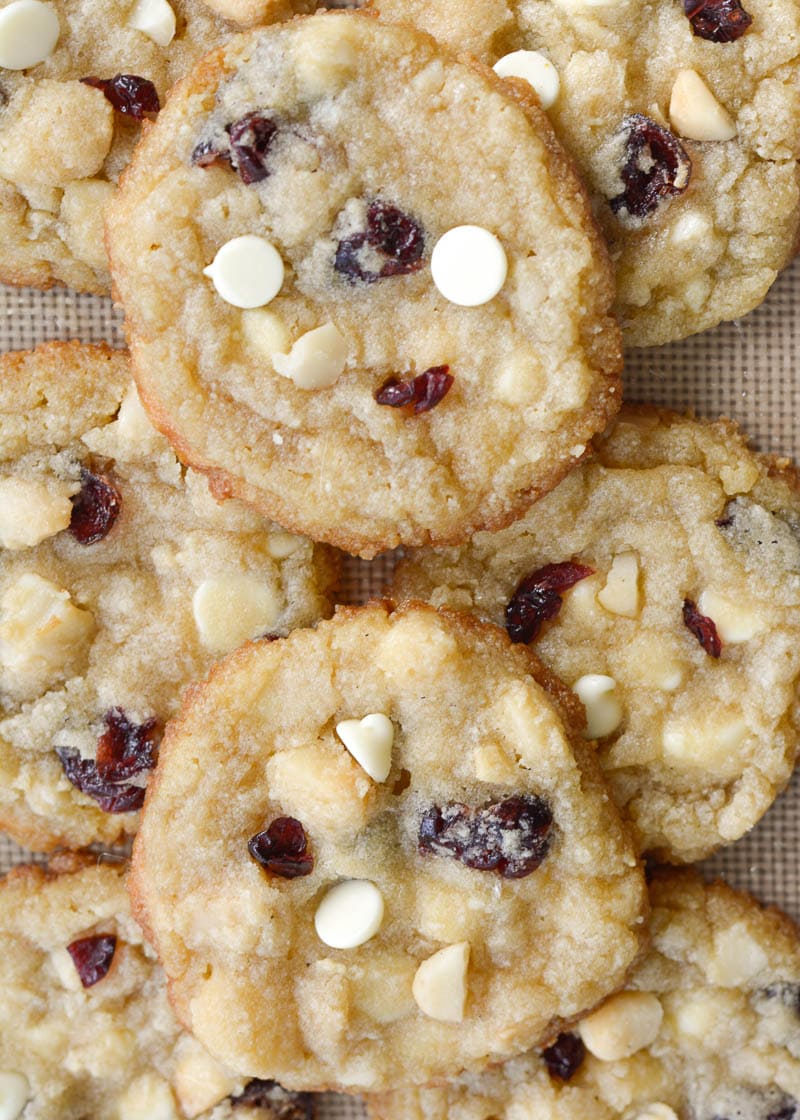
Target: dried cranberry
{"points": [[283, 849], [423, 391], [786, 1111], [92, 957], [703, 628], [128, 93], [720, 21], [251, 137], [390, 234], [537, 598], [110, 796], [511, 836], [656, 167], [95, 508], [205, 153], [282, 1104], [787, 992], [565, 1056], [125, 748]]}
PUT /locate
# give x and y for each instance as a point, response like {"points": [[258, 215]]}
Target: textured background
{"points": [[743, 370]]}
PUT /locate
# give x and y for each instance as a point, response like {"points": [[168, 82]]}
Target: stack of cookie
{"points": [[370, 303]]}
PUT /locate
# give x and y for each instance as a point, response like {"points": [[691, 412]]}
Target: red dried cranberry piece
{"points": [[656, 167], [110, 796], [786, 1112], [565, 1056], [282, 1104], [251, 137], [205, 153], [92, 957], [391, 234], [511, 836], [283, 849], [703, 628], [537, 598], [125, 748], [423, 391], [720, 21], [95, 508], [128, 93]]}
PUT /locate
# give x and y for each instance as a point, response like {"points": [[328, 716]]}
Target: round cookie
{"points": [[87, 1028], [320, 159], [121, 579], [392, 838], [708, 1026], [687, 139], [673, 522]]}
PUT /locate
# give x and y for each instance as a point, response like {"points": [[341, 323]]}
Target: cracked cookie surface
{"points": [[410, 919], [672, 524]]}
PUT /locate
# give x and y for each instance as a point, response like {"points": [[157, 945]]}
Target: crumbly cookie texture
{"points": [[707, 1026], [361, 405], [702, 249], [63, 144], [680, 628], [121, 579], [111, 1050], [468, 897]]}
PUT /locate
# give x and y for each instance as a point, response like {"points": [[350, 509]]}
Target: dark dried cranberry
{"points": [[423, 391], [110, 796], [786, 1112], [125, 748], [565, 1056], [92, 956], [205, 153], [128, 93], [787, 992], [280, 1103], [390, 234], [720, 21], [656, 167], [511, 836], [283, 849], [251, 137], [95, 508], [703, 628], [537, 598]]}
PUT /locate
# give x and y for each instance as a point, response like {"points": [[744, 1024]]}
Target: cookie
{"points": [[320, 305], [660, 581], [121, 579], [393, 837], [708, 1026], [87, 1029], [684, 127]]}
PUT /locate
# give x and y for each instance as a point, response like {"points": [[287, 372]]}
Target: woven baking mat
{"points": [[744, 370]]}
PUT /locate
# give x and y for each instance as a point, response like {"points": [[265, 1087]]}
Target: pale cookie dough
{"points": [[112, 1050], [406, 928], [62, 144], [350, 149], [711, 252], [669, 510], [121, 579], [708, 1027]]}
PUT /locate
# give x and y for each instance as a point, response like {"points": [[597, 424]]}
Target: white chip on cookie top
{"points": [[247, 271], [469, 265], [440, 983], [695, 112], [597, 693], [536, 68], [350, 914], [316, 359], [369, 741], [156, 19], [29, 31], [14, 1094]]}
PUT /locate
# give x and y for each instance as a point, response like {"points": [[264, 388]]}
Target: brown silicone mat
{"points": [[744, 370]]}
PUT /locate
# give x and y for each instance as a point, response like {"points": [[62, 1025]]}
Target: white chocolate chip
{"points": [[627, 1022], [65, 970], [199, 1081], [737, 958], [468, 265], [247, 271], [440, 983], [691, 226], [265, 331], [30, 512], [369, 741], [230, 609], [15, 1092], [133, 424], [621, 592], [349, 914], [603, 709], [536, 69], [657, 1110], [316, 359], [42, 633], [694, 111], [149, 1097], [696, 1016], [735, 621], [712, 744], [281, 545], [156, 19], [29, 31]]}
